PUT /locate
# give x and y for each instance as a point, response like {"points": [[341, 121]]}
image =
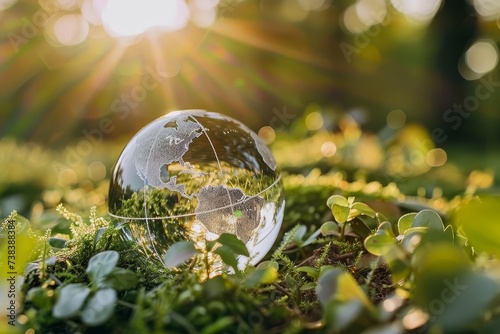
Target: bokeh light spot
{"points": [[328, 149], [267, 134], [4, 4], [371, 12], [436, 157], [71, 29], [417, 11], [91, 10], [396, 119], [352, 22], [96, 171], [314, 121], [488, 9], [415, 318], [482, 56]]}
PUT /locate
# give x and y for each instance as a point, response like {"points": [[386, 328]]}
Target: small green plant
{"points": [[95, 304], [346, 213]]}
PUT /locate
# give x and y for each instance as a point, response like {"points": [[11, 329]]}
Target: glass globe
{"points": [[193, 175]]}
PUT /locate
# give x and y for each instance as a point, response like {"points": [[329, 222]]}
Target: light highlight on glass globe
{"points": [[127, 18]]}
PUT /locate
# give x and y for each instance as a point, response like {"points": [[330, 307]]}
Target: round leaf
{"points": [[382, 241], [479, 223], [405, 222], [428, 218], [121, 279], [336, 199], [99, 308], [340, 213], [359, 209], [330, 228], [178, 253], [261, 276], [228, 256], [101, 264], [235, 244], [70, 300]]}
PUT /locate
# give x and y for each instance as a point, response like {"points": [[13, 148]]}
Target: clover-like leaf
{"points": [[337, 199], [382, 241], [99, 308], [178, 253], [234, 243], [228, 256], [428, 218], [261, 276], [340, 285], [358, 209], [101, 264], [478, 223], [121, 279], [330, 228], [57, 242], [405, 222], [310, 271], [70, 300], [340, 213], [339, 315]]}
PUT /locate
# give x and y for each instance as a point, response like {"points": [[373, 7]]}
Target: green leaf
{"points": [[101, 264], [412, 238], [339, 315], [379, 244], [228, 256], [214, 288], [308, 286], [70, 300], [360, 228], [310, 271], [99, 234], [235, 244], [99, 308], [382, 241], [340, 213], [178, 253], [312, 238], [336, 199], [261, 276], [479, 222], [39, 297], [405, 222], [219, 325], [267, 264], [330, 228], [358, 209], [121, 279], [341, 286], [428, 218], [57, 242], [469, 298]]}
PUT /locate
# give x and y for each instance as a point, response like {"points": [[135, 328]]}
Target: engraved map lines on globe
{"points": [[170, 143]]}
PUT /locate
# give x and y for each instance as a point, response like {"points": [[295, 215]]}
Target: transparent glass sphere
{"points": [[193, 175]]}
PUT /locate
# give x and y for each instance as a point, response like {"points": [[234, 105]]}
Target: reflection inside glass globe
{"points": [[193, 175]]}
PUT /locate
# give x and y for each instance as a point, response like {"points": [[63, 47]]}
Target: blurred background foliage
{"points": [[390, 91]]}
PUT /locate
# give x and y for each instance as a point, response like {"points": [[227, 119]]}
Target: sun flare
{"points": [[123, 18]]}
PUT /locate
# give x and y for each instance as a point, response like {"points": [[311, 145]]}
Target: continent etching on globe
{"points": [[239, 215], [170, 144]]}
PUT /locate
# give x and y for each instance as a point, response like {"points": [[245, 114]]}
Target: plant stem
{"points": [[342, 232]]}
